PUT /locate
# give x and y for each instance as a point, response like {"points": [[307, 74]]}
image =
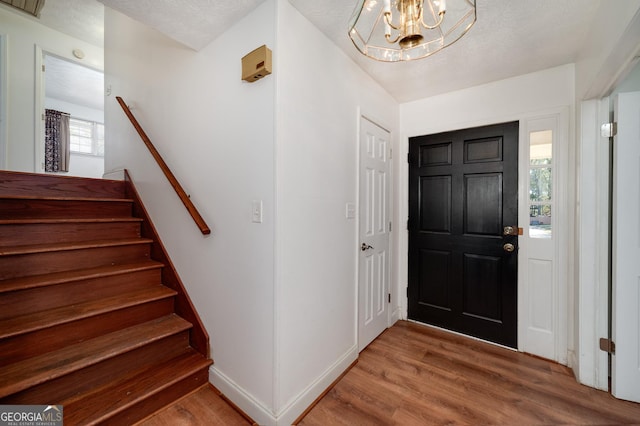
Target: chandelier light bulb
{"points": [[403, 30]]}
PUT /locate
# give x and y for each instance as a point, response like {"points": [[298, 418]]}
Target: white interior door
{"points": [[625, 373], [374, 259]]}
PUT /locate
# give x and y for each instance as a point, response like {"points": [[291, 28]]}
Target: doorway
{"points": [[374, 230], [463, 231], [73, 88]]}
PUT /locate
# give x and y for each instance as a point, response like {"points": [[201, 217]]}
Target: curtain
{"points": [[56, 141]]}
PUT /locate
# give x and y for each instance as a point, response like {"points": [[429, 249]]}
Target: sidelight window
{"points": [[540, 183]]}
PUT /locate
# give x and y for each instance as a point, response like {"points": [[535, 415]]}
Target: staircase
{"points": [[92, 314]]}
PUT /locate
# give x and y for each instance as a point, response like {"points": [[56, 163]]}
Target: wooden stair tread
{"points": [[47, 248], [37, 321], [102, 403], [33, 371], [34, 281], [66, 220], [50, 198]]}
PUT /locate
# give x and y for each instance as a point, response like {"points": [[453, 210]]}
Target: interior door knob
{"points": [[365, 247], [508, 247]]}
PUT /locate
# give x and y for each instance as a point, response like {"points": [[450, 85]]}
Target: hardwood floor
{"points": [[204, 406], [416, 375]]}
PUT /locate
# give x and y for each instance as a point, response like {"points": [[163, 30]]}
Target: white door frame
{"points": [[4, 99], [390, 193], [40, 89], [589, 363]]}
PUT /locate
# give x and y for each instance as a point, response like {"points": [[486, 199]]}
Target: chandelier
{"points": [[404, 30]]}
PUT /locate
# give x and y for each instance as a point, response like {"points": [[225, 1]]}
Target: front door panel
{"points": [[463, 191]]}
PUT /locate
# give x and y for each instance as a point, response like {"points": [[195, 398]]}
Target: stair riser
{"points": [[24, 265], [149, 405], [22, 302], [61, 209], [28, 184], [63, 389], [21, 347], [45, 233]]}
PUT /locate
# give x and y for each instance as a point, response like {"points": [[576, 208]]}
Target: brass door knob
{"points": [[508, 247]]}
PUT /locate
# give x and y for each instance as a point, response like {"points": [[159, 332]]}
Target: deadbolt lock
{"points": [[508, 247], [512, 230]]}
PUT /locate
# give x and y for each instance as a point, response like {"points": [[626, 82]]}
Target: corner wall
{"points": [[216, 133], [321, 93]]}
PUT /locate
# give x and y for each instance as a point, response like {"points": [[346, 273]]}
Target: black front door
{"points": [[463, 192]]}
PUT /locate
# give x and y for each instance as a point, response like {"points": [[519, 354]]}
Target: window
{"points": [[540, 183], [87, 137]]}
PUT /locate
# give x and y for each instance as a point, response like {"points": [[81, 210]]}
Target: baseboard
{"points": [[246, 402], [289, 413], [298, 405], [395, 316], [572, 362]]}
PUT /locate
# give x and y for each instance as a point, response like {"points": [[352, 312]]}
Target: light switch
{"points": [[351, 211], [256, 211]]}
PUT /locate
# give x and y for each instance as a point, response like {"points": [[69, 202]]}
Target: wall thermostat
{"points": [[256, 64]]}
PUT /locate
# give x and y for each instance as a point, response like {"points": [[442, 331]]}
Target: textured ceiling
{"points": [[194, 23], [510, 37], [74, 83], [81, 19]]}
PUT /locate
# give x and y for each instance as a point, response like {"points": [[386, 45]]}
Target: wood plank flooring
{"points": [[416, 375], [202, 407]]}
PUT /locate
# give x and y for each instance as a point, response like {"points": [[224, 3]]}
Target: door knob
{"points": [[365, 247], [508, 247]]}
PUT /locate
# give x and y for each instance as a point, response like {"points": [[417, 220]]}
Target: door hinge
{"points": [[609, 130], [608, 346], [408, 158], [43, 117], [407, 224], [43, 67], [390, 227], [389, 297], [390, 154]]}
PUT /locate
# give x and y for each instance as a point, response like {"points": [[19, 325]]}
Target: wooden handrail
{"points": [[204, 228]]}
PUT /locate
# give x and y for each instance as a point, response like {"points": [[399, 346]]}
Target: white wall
{"points": [[608, 48], [216, 133], [320, 94], [507, 100], [282, 317], [23, 35], [81, 165]]}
